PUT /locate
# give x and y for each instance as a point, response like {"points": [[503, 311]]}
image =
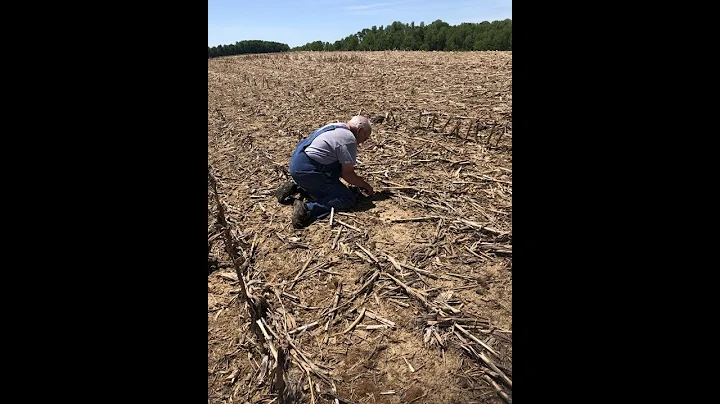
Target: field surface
{"points": [[407, 298]]}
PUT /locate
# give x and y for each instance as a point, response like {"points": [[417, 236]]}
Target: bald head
{"points": [[360, 126]]}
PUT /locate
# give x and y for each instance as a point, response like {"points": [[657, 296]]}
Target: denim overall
{"points": [[320, 181]]}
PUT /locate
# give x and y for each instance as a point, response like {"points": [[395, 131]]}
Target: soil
{"points": [[440, 152]]}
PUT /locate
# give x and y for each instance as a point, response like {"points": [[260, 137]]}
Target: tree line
{"points": [[437, 36], [252, 46]]}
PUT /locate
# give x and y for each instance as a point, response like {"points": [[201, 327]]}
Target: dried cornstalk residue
{"points": [[406, 298]]}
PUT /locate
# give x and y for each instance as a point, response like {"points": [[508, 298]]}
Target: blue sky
{"points": [[301, 21]]}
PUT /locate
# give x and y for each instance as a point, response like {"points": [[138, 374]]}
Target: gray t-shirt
{"points": [[334, 145]]}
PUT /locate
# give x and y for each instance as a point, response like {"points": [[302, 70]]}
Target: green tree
{"points": [[453, 42], [438, 35]]}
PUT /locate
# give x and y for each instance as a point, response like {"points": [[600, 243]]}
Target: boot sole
{"points": [[299, 213]]}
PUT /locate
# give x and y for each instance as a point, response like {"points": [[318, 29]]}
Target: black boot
{"points": [[285, 190], [301, 214]]}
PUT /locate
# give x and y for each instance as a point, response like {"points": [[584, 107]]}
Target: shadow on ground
{"points": [[364, 203]]}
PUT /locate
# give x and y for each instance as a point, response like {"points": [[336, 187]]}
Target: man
{"points": [[317, 165]]}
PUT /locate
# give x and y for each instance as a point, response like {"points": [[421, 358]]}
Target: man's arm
{"points": [[349, 175]]}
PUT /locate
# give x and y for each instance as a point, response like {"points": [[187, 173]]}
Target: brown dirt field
{"points": [[443, 150]]}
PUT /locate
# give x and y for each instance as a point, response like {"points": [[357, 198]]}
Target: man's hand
{"points": [[348, 174]]}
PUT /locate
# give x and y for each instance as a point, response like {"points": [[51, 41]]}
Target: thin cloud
{"points": [[328, 2], [367, 6], [377, 6], [370, 12]]}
